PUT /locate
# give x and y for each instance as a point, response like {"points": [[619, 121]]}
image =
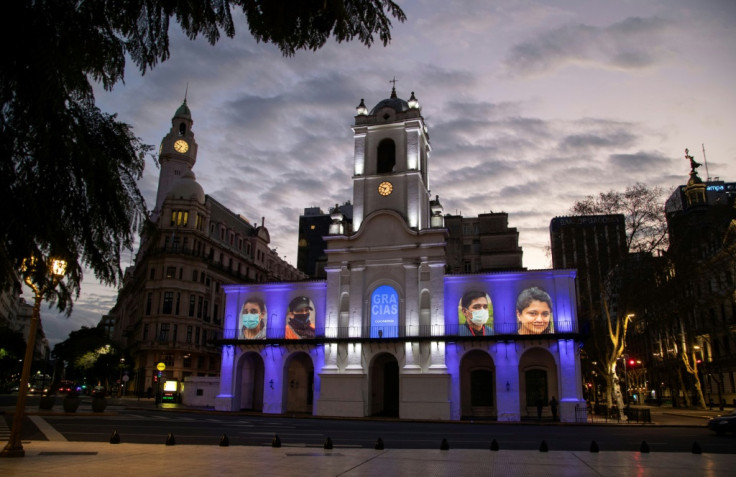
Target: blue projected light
{"points": [[384, 312]]}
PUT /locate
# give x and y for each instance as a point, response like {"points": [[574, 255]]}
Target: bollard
{"points": [[328, 443], [696, 448], [444, 445], [115, 437], [594, 447], [224, 441], [170, 441], [644, 448], [379, 444], [543, 446], [276, 442], [494, 445]]}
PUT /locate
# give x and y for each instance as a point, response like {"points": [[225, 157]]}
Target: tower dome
{"points": [[394, 102], [187, 188], [183, 111]]}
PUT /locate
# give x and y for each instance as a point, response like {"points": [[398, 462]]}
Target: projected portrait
{"points": [[475, 314], [534, 312], [253, 319], [300, 319]]}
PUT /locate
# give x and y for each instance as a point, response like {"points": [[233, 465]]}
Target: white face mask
{"points": [[479, 317]]}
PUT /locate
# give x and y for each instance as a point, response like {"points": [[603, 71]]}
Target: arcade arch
{"points": [[298, 383], [477, 385], [250, 382], [384, 386]]}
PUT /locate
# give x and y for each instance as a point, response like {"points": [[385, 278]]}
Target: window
{"points": [[153, 273], [168, 359], [163, 333], [179, 217], [200, 362], [189, 334], [168, 302], [187, 362], [536, 386], [194, 275], [386, 160], [206, 311], [145, 331], [178, 301], [191, 305], [199, 307], [149, 302], [196, 336], [174, 333], [170, 272], [481, 388]]}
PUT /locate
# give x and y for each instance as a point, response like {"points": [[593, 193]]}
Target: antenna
{"points": [[705, 161], [186, 91]]}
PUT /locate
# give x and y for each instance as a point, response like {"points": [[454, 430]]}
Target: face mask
{"points": [[301, 317], [251, 320], [479, 317]]}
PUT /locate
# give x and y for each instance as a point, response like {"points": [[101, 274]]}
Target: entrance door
{"points": [[385, 386], [251, 383], [300, 384]]}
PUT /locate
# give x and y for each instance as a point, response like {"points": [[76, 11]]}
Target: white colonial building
{"points": [[389, 332]]}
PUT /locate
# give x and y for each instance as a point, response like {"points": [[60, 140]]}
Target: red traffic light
{"points": [[632, 362]]}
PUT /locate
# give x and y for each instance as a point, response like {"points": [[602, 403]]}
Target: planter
{"points": [[71, 403], [47, 402], [99, 404]]}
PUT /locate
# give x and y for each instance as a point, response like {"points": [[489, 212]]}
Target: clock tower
{"points": [[391, 155], [177, 154]]}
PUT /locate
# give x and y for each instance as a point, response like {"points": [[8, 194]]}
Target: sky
{"points": [[530, 105]]}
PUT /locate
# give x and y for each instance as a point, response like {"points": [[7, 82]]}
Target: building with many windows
{"points": [[170, 306]]}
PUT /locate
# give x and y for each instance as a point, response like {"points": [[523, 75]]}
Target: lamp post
{"points": [[57, 268]]}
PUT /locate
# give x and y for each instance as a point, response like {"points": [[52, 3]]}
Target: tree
{"points": [[630, 282], [68, 171], [646, 223]]}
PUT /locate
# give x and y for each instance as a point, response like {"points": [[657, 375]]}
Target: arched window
{"points": [[386, 160], [182, 129]]}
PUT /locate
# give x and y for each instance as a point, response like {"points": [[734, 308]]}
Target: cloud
{"points": [[631, 44]]}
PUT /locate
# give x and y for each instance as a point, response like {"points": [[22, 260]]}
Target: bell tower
{"points": [[390, 167], [176, 155]]}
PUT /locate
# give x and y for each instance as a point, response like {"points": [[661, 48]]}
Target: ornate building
{"points": [[170, 305], [389, 332]]}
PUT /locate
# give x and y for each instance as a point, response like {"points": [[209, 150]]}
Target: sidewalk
{"points": [[95, 459], [55, 458]]}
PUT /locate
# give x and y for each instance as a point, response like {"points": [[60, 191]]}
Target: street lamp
{"points": [[57, 268]]}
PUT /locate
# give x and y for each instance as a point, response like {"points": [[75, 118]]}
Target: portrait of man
{"points": [[253, 319], [534, 312], [476, 314], [300, 319]]}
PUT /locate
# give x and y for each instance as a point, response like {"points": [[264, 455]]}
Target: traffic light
{"points": [[632, 362], [155, 378]]}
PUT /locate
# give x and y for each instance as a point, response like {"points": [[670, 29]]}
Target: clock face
{"points": [[385, 188], [181, 146]]}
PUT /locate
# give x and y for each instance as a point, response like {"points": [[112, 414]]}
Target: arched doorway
{"points": [[384, 389], [251, 382], [299, 383], [477, 385], [538, 381]]}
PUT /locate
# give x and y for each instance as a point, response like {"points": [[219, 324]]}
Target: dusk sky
{"points": [[530, 105]]}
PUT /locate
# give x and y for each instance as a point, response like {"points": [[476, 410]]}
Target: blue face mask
{"points": [[251, 320], [479, 317]]}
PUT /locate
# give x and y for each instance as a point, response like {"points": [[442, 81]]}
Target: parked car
{"points": [[38, 389], [722, 424], [99, 391]]}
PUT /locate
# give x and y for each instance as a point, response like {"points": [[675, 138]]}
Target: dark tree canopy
{"points": [[68, 171], [642, 207]]}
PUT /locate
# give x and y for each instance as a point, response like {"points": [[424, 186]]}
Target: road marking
{"points": [[48, 431]]}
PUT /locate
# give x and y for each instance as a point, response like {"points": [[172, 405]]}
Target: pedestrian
{"points": [[553, 408]]}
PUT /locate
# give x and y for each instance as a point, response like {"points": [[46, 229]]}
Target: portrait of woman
{"points": [[253, 319], [534, 312], [475, 314]]}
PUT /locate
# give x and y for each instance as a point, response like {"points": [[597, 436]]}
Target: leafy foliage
{"points": [[68, 171]]}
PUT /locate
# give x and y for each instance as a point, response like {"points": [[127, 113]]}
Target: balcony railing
{"points": [[367, 333]]}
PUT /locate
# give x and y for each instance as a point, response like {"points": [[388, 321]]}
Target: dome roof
{"points": [[394, 102], [187, 188], [183, 111]]}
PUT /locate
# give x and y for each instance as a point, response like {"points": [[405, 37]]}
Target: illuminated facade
{"points": [[389, 332]]}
